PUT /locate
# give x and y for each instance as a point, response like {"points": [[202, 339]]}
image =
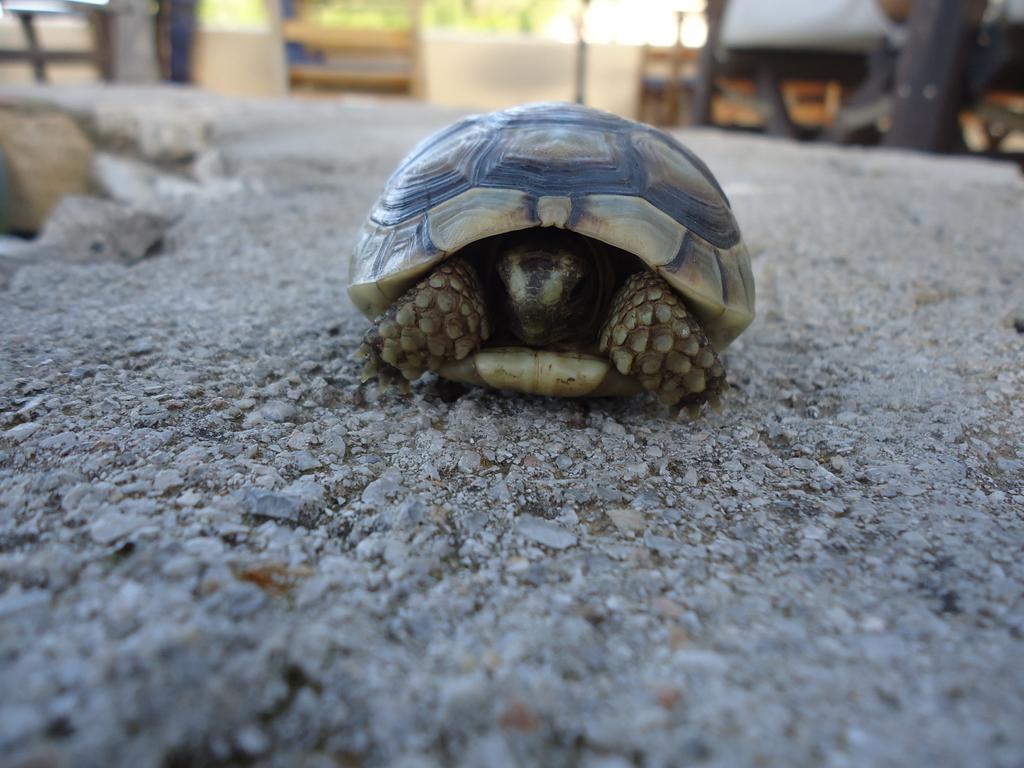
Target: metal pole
{"points": [[581, 55]]}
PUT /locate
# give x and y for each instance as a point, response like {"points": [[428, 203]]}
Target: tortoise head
{"points": [[552, 287]]}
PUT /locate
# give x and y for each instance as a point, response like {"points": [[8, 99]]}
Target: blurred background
{"points": [[935, 75]]}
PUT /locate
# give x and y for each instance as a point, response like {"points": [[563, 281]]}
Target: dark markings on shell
{"points": [[714, 223], [426, 244], [532, 211], [430, 142], [578, 209], [550, 150], [696, 162], [383, 252], [684, 255], [597, 162], [747, 288], [440, 168], [725, 278]]}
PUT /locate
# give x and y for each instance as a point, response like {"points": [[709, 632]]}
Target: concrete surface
{"points": [[217, 549]]}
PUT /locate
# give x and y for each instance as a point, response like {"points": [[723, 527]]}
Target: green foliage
{"points": [[522, 16], [525, 16], [232, 13], [382, 14]]}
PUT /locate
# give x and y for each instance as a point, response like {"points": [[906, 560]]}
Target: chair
{"points": [[353, 45], [776, 66], [911, 87], [33, 53], [667, 74], [996, 83]]}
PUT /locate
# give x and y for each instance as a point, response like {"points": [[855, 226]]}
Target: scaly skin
{"points": [[441, 318], [651, 336]]}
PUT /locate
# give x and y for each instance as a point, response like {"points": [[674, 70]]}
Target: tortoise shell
{"points": [[559, 165]]}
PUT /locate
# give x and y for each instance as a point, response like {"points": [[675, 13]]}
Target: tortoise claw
{"points": [[441, 318], [651, 336]]}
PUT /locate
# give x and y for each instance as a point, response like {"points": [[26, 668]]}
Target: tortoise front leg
{"points": [[441, 318], [652, 337]]}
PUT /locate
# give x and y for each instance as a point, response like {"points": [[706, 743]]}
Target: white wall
{"points": [[239, 63], [489, 72]]}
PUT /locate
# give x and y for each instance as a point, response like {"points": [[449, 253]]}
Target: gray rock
{"points": [[545, 532], [21, 432], [271, 505], [385, 487], [47, 156], [278, 410], [335, 445], [139, 185], [86, 229], [16, 603], [661, 544], [166, 480], [305, 461], [252, 741], [115, 525], [469, 461]]}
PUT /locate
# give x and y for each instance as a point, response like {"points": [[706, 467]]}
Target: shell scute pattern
{"points": [[556, 164], [604, 155], [679, 187], [476, 214], [557, 160], [439, 169]]}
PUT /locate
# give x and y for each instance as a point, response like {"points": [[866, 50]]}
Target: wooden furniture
{"points": [[666, 80], [961, 69], [897, 10], [952, 65], [995, 85], [348, 53], [791, 93], [26, 11]]}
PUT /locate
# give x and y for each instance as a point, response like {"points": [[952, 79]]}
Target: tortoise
{"points": [[553, 249]]}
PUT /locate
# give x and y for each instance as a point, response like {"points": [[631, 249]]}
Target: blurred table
{"points": [[26, 12]]}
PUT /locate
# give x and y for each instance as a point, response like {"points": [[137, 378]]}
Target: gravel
{"points": [[217, 548]]}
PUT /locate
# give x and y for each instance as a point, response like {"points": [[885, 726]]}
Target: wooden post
{"points": [[417, 54], [102, 54], [581, 55], [929, 91], [774, 111], [32, 42], [279, 58], [673, 87], [704, 88]]}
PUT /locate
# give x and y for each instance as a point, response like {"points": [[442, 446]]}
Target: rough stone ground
{"points": [[217, 549]]}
